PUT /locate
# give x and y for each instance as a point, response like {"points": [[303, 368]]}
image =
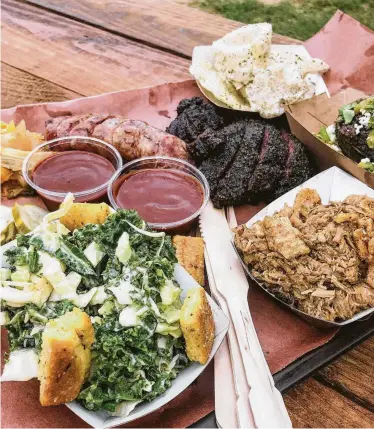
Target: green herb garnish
{"points": [[347, 113], [323, 136]]}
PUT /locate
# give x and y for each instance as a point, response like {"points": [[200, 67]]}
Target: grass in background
{"points": [[299, 19]]}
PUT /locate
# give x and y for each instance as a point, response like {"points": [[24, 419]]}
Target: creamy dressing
{"points": [[128, 317], [21, 366], [4, 318], [122, 292], [100, 296], [124, 408], [93, 254]]}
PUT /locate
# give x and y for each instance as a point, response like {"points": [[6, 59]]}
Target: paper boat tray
{"points": [[179, 384], [332, 185]]}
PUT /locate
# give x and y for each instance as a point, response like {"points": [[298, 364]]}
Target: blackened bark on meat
{"points": [[271, 166], [194, 117], [207, 144], [245, 159], [189, 103], [299, 166], [232, 188], [216, 166], [353, 145]]}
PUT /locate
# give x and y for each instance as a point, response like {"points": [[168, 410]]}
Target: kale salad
{"points": [[120, 273]]}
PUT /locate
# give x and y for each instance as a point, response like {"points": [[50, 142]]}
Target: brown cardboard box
{"points": [[306, 119]]}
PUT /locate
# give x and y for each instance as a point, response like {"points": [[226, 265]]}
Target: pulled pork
{"points": [[318, 258]]}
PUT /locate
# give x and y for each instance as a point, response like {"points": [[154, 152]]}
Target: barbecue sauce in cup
{"points": [[73, 171], [160, 196]]}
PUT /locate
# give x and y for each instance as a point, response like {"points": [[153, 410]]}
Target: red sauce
{"points": [[73, 171], [159, 196]]}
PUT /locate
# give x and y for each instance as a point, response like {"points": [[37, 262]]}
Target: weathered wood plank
{"points": [[80, 57], [353, 374], [162, 23], [314, 405], [19, 87]]}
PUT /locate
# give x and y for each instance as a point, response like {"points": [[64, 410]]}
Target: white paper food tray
{"points": [[320, 86], [184, 379], [332, 185]]}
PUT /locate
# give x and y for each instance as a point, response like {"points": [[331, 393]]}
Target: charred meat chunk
{"points": [[194, 117], [232, 188], [245, 159], [215, 167], [299, 167], [206, 145], [271, 166]]}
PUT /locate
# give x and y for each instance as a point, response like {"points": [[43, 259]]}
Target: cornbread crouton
{"points": [[190, 254], [197, 325], [80, 214], [81, 323], [65, 357]]}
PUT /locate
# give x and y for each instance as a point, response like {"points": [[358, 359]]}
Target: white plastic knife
{"points": [[265, 400], [251, 331]]}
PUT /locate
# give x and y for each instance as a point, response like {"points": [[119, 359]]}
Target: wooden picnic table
{"points": [[54, 50]]}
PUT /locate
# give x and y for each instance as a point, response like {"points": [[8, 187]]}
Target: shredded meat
{"points": [[283, 237], [319, 258]]}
